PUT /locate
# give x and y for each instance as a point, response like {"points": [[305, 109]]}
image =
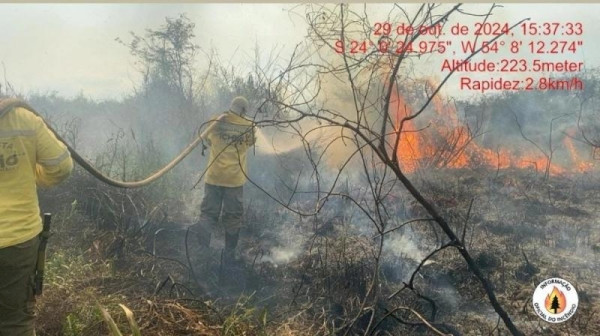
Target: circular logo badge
{"points": [[555, 300]]}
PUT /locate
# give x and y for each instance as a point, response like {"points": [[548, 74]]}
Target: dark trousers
{"points": [[17, 267], [224, 202]]}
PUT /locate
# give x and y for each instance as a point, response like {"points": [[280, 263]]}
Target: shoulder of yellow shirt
{"points": [[228, 117], [24, 115], [233, 118]]}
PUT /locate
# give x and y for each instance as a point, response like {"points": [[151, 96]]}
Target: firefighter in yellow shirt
{"points": [[229, 137], [30, 155]]}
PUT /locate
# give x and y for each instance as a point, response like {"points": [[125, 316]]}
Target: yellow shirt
{"points": [[29, 154], [229, 137]]}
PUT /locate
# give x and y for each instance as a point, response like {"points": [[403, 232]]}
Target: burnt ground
{"points": [[522, 230], [307, 276]]}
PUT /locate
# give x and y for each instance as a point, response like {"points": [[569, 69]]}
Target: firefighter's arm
{"points": [[54, 163], [211, 124], [205, 134]]}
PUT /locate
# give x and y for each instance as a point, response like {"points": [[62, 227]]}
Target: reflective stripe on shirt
{"points": [[56, 161]]}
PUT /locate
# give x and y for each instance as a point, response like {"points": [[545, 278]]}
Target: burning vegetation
{"points": [[447, 141], [375, 205]]}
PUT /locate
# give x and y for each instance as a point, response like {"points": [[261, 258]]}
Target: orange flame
{"points": [[556, 301], [446, 142]]}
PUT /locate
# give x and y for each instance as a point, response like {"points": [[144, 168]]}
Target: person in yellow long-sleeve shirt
{"points": [[229, 137], [30, 155]]}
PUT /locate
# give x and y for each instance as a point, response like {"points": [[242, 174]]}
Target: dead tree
{"points": [[370, 83]]}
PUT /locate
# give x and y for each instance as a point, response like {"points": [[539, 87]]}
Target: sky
{"points": [[70, 49]]}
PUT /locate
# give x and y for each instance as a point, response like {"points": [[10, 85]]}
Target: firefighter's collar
{"points": [[240, 116]]}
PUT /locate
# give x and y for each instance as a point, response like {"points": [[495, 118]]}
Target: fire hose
{"points": [[14, 102]]}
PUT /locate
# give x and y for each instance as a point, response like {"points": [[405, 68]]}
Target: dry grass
{"points": [[520, 232]]}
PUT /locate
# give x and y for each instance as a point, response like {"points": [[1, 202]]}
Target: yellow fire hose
{"points": [[14, 102]]}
